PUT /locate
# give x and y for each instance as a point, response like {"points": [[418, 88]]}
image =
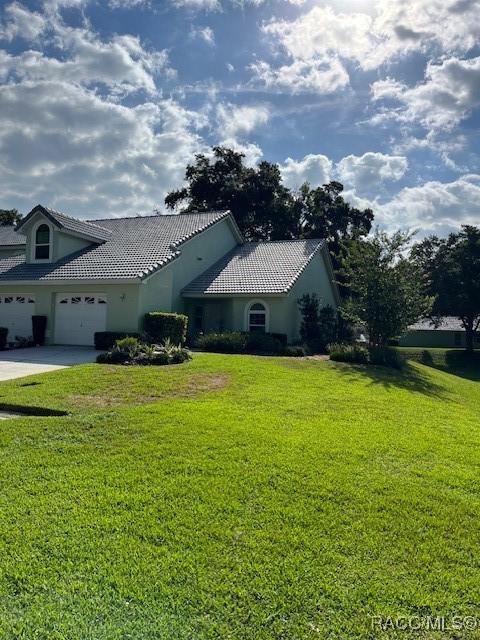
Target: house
{"points": [[448, 333], [96, 275]]}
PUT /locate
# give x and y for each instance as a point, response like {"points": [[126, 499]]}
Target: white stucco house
{"points": [[105, 274]]}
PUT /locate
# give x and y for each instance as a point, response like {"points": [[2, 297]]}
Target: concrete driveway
{"points": [[25, 362]]}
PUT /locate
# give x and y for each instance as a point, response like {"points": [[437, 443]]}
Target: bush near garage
{"points": [[105, 340], [160, 326], [131, 350]]}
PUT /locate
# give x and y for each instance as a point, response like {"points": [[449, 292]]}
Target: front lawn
{"points": [[238, 497]]}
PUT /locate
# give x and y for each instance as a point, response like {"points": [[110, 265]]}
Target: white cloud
{"points": [[204, 33], [370, 169], [314, 169], [319, 76], [450, 92], [21, 22], [394, 30], [88, 155], [234, 120], [122, 63], [434, 207]]}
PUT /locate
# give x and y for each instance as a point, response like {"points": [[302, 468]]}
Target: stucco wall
{"points": [[122, 303], [162, 291]]}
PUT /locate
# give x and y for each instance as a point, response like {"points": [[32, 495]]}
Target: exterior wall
{"points": [[162, 291], [65, 244], [122, 303], [433, 339]]}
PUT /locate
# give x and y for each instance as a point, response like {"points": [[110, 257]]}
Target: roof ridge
{"points": [[284, 241], [162, 215], [65, 215]]}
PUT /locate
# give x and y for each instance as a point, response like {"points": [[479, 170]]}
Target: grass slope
{"points": [[238, 497]]}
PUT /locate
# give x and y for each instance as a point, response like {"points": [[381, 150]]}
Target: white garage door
{"points": [[16, 313], [78, 316]]}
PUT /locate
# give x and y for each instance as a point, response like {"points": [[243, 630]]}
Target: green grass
{"points": [[238, 497]]}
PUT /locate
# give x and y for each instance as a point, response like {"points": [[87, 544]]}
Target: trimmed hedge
{"points": [[105, 340], [3, 337], [160, 326], [242, 342]]}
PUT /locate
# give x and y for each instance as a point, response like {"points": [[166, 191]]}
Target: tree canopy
{"points": [[263, 207], [9, 217], [452, 269], [388, 291]]}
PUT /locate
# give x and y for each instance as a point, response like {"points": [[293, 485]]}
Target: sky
{"points": [[103, 103]]}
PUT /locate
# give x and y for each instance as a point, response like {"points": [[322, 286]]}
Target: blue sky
{"points": [[103, 103]]}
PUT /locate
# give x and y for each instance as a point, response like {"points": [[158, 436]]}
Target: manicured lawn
{"points": [[238, 497]]}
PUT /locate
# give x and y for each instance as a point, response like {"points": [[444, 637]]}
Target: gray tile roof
{"points": [[135, 248], [62, 221], [256, 268], [10, 237], [448, 323]]}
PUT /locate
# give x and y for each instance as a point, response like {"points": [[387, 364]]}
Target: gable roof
{"points": [[9, 237], [447, 323], [256, 268], [135, 248], [85, 228]]}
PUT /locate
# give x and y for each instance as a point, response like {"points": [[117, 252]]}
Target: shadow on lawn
{"points": [[456, 362], [408, 378]]}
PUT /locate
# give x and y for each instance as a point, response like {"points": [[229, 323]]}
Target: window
{"points": [[257, 318], [42, 242]]}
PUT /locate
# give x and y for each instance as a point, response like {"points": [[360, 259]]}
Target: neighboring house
{"points": [[97, 275], [449, 333], [11, 242]]}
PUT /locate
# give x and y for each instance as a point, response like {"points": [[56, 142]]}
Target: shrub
{"points": [[352, 353], [295, 351], [3, 337], [229, 342], [310, 325], [159, 326], [112, 357], [385, 357], [131, 351], [263, 343], [129, 345], [281, 337], [105, 340]]}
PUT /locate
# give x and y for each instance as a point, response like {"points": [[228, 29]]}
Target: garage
{"points": [[16, 311], [78, 316]]}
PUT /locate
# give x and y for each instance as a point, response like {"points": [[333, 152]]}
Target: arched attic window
{"points": [[42, 242]]}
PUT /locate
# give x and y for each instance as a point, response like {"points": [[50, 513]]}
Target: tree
{"points": [[319, 325], [388, 288], [9, 217], [263, 207], [452, 270]]}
